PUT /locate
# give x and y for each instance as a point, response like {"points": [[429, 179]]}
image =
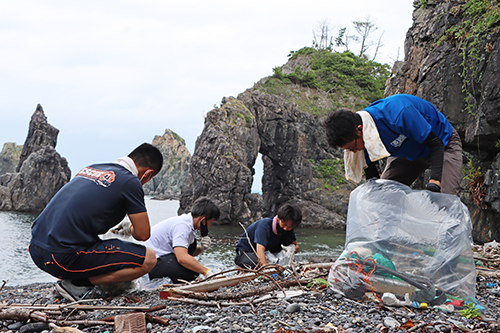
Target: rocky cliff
{"points": [[9, 157], [291, 142], [176, 159], [452, 59], [40, 173]]}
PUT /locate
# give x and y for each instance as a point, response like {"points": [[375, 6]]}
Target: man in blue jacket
{"points": [[268, 234], [64, 237], [408, 130]]}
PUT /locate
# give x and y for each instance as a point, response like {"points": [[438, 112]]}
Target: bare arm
{"points": [[140, 230], [188, 261], [296, 246], [261, 255]]}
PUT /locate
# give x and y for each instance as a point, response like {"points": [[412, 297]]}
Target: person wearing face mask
{"points": [[65, 240], [268, 234], [175, 245]]}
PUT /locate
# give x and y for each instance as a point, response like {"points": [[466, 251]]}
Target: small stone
{"points": [[391, 322], [245, 309], [294, 307], [15, 326], [149, 327]]}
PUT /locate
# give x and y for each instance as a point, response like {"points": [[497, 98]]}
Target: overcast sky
{"points": [[113, 74]]}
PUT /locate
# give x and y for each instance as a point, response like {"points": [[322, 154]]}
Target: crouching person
{"points": [[65, 240], [174, 242], [268, 234]]}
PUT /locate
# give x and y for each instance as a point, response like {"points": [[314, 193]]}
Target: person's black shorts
{"points": [[168, 266], [246, 260], [103, 257]]}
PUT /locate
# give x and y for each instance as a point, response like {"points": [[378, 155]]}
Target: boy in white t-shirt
{"points": [[174, 242]]}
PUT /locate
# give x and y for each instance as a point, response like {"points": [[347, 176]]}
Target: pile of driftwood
{"points": [[56, 318], [487, 259], [205, 293], [60, 317]]}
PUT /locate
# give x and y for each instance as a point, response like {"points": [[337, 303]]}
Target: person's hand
{"points": [[296, 248], [208, 274], [205, 243], [123, 228], [433, 187]]}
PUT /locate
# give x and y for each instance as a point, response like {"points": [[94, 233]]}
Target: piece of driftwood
{"points": [[87, 323], [223, 282], [22, 315], [130, 323], [251, 302], [157, 319], [237, 294], [55, 307], [57, 329], [488, 272]]}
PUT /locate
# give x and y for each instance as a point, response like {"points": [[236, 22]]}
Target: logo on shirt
{"points": [[399, 141], [100, 177]]}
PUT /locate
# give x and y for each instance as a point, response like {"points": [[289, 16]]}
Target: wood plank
{"points": [[215, 284]]}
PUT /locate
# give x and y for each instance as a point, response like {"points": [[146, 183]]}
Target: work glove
{"points": [[123, 228], [208, 274], [205, 243], [433, 187]]}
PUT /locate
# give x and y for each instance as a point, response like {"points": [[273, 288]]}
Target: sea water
{"points": [[17, 268]]}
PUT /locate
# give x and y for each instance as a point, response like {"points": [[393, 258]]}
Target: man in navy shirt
{"points": [[65, 240], [408, 130], [268, 234]]}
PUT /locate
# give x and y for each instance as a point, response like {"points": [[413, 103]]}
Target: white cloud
{"points": [[113, 74]]}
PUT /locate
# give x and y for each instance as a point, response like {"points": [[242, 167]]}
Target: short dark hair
{"points": [[340, 126], [204, 206], [148, 156], [289, 212]]}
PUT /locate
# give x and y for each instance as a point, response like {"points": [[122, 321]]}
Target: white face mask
{"points": [[148, 179]]}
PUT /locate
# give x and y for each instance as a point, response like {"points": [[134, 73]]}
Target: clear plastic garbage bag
{"points": [[405, 241]]}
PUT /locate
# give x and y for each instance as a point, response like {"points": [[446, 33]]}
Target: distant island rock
{"points": [[9, 157], [40, 172], [176, 160]]}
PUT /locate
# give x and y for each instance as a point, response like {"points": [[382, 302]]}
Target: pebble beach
{"points": [[305, 309]]}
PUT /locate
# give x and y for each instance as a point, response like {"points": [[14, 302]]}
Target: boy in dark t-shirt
{"points": [[268, 234], [65, 240]]}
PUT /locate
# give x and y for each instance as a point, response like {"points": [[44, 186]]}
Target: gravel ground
{"points": [[312, 311]]}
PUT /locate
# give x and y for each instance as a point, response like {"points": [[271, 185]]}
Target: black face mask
{"points": [[280, 230], [204, 228]]}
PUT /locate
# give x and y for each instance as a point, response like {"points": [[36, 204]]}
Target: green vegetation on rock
{"points": [[336, 79], [480, 21], [329, 170]]}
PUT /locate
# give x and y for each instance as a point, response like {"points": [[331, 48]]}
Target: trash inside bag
{"points": [[283, 258], [405, 242]]}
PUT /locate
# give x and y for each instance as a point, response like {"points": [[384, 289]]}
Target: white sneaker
{"points": [[71, 292]]}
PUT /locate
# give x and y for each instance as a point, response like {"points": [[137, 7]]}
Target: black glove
{"points": [[433, 187]]}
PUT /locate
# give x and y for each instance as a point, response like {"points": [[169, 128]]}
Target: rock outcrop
{"points": [[176, 159], [9, 157], [459, 74], [41, 171], [289, 140]]}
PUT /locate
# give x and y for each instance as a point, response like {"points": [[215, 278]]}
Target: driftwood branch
{"points": [[22, 315], [238, 294], [218, 304]]}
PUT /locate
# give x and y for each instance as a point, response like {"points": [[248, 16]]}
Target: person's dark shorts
{"points": [[246, 260], [103, 257], [168, 266]]}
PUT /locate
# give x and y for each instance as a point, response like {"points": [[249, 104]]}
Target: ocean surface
{"points": [[16, 267]]}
